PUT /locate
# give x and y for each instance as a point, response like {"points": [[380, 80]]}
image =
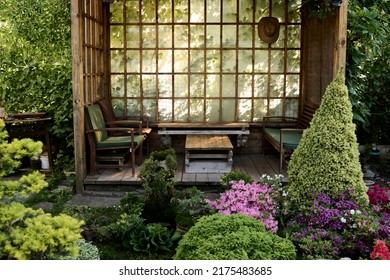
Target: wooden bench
{"points": [[216, 149], [168, 129], [285, 133]]}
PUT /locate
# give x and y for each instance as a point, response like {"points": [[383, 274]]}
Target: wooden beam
{"points": [[78, 94], [340, 52]]}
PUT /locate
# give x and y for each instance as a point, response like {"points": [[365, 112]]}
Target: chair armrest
{"points": [[144, 119], [124, 122]]}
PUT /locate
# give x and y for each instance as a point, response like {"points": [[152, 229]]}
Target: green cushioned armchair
{"points": [[125, 141]]}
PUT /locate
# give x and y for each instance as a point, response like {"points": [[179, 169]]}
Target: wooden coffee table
{"points": [[212, 148]]}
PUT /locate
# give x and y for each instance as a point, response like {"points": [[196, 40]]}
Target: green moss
{"points": [[327, 158], [232, 237]]}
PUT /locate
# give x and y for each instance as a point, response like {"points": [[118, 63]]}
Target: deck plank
{"points": [[253, 164]]}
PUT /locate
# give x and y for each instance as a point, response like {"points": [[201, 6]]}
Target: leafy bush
{"points": [[327, 157], [152, 237], [232, 237], [234, 176], [26, 233], [368, 74], [254, 200], [88, 251], [36, 65], [190, 205], [132, 204], [157, 176]]}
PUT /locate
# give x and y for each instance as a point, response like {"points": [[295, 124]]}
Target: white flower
{"points": [[352, 212], [358, 212], [285, 193], [343, 220]]}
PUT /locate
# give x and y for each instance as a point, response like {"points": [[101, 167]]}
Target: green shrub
{"points": [[88, 251], [132, 204], [151, 238], [327, 158], [157, 176], [232, 237], [190, 205], [26, 233], [236, 176], [119, 230]]}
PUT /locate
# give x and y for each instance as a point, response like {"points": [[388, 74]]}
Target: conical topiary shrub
{"points": [[327, 158]]}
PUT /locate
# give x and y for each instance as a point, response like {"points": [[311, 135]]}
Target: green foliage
{"points": [[88, 251], [191, 200], [368, 74], [11, 155], [232, 237], [96, 219], [158, 174], [35, 69], [320, 8], [158, 179], [190, 205], [236, 176], [152, 237], [132, 204], [327, 158], [120, 229], [26, 233]]}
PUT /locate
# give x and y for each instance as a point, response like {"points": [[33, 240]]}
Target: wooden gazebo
{"points": [[200, 61]]}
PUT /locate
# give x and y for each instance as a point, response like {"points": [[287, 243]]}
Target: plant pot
{"points": [[35, 164]]}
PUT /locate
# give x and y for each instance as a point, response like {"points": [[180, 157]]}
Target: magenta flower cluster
{"points": [[378, 195], [380, 199], [255, 200]]}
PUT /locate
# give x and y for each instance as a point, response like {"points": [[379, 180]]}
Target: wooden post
{"points": [[340, 51], [78, 94]]}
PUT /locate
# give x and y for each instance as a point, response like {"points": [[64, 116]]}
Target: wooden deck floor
{"points": [[253, 164]]}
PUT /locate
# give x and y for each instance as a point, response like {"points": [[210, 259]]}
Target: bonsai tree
{"points": [[26, 233], [232, 237], [327, 158]]}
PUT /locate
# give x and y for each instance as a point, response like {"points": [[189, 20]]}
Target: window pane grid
{"points": [[202, 60]]}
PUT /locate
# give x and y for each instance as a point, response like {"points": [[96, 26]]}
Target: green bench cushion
{"points": [[290, 138], [119, 141]]}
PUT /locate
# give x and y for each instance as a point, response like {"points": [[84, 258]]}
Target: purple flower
{"points": [[337, 226]]}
